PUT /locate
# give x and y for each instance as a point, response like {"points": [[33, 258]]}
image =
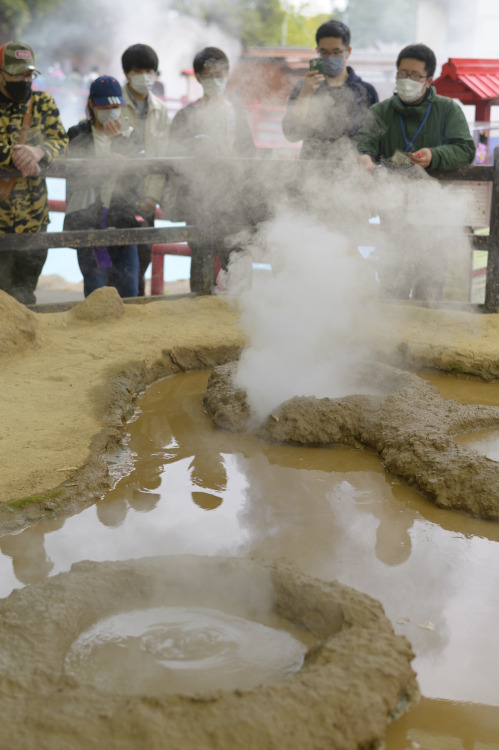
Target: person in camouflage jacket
{"points": [[25, 207]]}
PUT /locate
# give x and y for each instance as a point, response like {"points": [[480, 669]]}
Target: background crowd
{"points": [[330, 110]]}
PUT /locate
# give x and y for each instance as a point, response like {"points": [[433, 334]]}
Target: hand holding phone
{"points": [[316, 64]]}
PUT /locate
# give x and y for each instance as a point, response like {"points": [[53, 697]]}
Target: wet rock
{"points": [[227, 404], [103, 303], [405, 421], [18, 326]]}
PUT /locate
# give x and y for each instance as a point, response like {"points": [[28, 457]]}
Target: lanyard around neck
{"points": [[408, 144]]}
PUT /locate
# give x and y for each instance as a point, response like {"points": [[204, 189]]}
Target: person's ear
{"points": [[349, 50]]}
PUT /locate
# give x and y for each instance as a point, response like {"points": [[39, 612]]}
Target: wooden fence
{"points": [[285, 173]]}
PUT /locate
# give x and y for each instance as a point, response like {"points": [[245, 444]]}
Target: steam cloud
{"points": [[309, 320]]}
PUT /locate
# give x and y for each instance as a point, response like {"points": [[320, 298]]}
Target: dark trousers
{"points": [[20, 270], [125, 270]]}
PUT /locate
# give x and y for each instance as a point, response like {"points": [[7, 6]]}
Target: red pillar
{"points": [[482, 111]]}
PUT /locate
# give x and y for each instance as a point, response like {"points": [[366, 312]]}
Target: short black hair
{"points": [[336, 29], [209, 55], [419, 52], [139, 56]]}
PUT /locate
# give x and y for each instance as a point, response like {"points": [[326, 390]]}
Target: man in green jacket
{"points": [[419, 128], [430, 129]]}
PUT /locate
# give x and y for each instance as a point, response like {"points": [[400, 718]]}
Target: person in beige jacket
{"points": [[148, 115]]}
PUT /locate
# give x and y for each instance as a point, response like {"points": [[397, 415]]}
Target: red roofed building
{"points": [[472, 81]]}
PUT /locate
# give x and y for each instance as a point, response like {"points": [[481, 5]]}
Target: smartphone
{"points": [[316, 64]]}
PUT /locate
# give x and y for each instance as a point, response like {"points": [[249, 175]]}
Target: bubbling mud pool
{"points": [[332, 510], [273, 691], [187, 650]]}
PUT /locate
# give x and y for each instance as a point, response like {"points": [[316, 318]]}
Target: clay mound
{"points": [[355, 679], [18, 326], [103, 303], [406, 421]]}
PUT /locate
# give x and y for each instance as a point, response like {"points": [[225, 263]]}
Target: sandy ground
{"points": [[69, 379]]}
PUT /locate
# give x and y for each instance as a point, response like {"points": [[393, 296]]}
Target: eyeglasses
{"points": [[30, 75], [334, 53], [413, 76]]}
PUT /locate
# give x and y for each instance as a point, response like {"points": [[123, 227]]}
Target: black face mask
{"points": [[18, 91]]}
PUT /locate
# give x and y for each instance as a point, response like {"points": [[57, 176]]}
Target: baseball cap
{"points": [[16, 58], [105, 91]]}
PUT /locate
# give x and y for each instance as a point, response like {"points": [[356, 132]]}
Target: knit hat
{"points": [[16, 58]]}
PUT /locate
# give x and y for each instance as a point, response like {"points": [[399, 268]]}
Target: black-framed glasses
{"points": [[401, 74], [333, 53]]}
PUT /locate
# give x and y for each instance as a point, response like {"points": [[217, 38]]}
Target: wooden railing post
{"points": [[492, 283]]}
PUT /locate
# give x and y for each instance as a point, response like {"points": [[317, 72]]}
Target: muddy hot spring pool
{"points": [[190, 489]]}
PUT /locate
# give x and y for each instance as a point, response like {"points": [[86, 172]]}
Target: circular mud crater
{"points": [[347, 679]]}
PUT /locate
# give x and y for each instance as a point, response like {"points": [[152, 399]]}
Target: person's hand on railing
{"points": [[26, 158], [147, 204]]}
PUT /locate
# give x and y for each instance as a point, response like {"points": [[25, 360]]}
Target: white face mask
{"points": [[142, 82], [408, 90], [213, 86], [104, 115]]}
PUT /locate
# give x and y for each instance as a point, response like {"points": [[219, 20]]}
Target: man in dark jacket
{"points": [[329, 105]]}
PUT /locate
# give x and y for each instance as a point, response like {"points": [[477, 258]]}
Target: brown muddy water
{"points": [[332, 511]]}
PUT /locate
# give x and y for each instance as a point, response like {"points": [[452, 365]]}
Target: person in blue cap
{"points": [[97, 201]]}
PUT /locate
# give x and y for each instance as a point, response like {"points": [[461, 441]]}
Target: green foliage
{"points": [[383, 21], [301, 29], [15, 15], [72, 28], [253, 22]]}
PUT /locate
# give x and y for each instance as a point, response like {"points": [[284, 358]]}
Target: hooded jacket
{"points": [[333, 113], [445, 132]]}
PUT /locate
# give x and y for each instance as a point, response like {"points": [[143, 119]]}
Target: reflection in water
{"points": [[206, 500], [188, 650], [444, 725], [484, 442], [331, 510], [30, 562]]}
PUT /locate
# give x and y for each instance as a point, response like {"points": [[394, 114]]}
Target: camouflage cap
{"points": [[16, 58]]}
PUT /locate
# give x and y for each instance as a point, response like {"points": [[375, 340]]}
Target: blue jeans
{"points": [[125, 270]]}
